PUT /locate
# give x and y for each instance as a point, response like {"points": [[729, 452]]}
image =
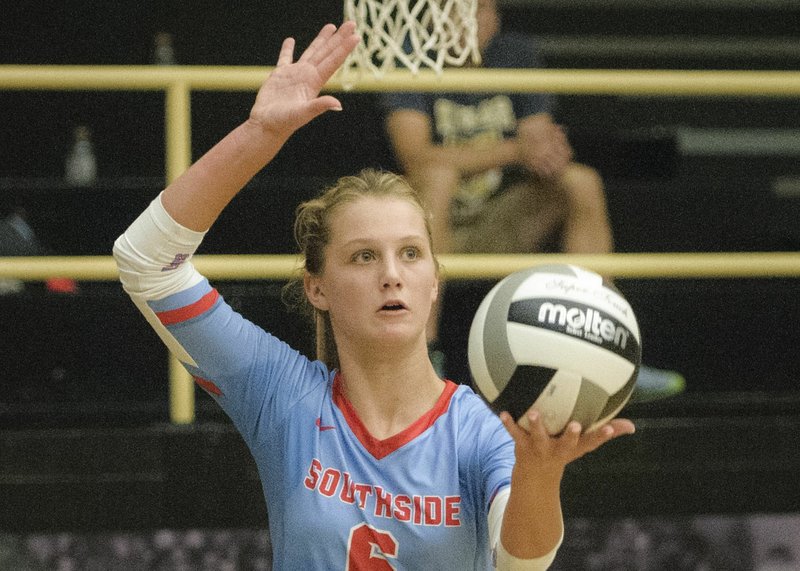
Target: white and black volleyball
{"points": [[558, 338]]}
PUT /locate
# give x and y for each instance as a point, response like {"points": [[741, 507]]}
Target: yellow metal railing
{"points": [[178, 83], [454, 266], [567, 81]]}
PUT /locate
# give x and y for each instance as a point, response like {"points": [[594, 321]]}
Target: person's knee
{"points": [[584, 187]]}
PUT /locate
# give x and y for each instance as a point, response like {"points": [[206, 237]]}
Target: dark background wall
{"points": [[88, 362], [663, 196]]}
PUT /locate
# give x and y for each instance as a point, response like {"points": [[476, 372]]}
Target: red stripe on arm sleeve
{"points": [[181, 314]]}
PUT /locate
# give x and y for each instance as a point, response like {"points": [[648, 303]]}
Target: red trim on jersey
{"points": [[207, 385], [173, 316], [382, 448]]}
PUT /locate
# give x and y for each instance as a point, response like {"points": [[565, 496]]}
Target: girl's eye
{"points": [[363, 256], [411, 253]]}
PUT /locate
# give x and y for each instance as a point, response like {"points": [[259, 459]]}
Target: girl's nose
{"points": [[391, 273]]}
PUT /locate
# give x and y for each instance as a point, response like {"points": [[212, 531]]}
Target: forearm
{"points": [[198, 196], [411, 133], [533, 523], [467, 160]]}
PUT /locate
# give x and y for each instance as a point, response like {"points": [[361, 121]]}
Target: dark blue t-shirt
{"points": [[505, 51], [477, 119]]}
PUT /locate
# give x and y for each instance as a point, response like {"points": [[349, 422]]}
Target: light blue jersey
{"points": [[336, 496]]}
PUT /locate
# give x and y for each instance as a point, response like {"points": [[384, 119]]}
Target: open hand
{"points": [[538, 450], [289, 98]]}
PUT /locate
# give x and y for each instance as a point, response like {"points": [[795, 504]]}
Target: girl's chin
{"points": [[398, 336]]}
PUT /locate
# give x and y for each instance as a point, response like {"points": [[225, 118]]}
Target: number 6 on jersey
{"points": [[369, 549]]}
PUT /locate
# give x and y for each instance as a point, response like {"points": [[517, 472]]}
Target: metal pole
{"points": [[178, 149]]}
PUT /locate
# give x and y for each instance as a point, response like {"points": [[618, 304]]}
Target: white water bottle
{"points": [[81, 165], [164, 49]]}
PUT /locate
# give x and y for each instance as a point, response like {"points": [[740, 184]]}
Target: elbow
{"points": [[120, 253], [507, 562], [125, 262]]}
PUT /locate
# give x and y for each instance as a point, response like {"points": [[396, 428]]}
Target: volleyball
{"points": [[557, 338]]}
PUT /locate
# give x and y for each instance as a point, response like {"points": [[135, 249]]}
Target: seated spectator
{"points": [[499, 177]]}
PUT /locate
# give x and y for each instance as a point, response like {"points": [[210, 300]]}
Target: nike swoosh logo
{"points": [[321, 427]]}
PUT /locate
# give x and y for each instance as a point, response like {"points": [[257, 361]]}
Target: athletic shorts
{"points": [[523, 218]]}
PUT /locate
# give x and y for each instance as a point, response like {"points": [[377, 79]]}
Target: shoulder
{"points": [[473, 414], [512, 49], [485, 448]]}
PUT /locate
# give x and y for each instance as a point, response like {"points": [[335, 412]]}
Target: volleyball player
{"points": [[368, 460]]}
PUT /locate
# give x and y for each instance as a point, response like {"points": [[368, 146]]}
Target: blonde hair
{"points": [[312, 234]]}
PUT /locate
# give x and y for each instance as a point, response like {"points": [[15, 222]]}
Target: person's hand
{"points": [[544, 148], [289, 98], [541, 453]]}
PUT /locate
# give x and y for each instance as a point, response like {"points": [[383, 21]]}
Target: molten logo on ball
{"points": [[586, 322], [578, 320]]}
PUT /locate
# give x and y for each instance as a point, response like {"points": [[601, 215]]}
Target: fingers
{"points": [[558, 154], [613, 429], [287, 52], [514, 430], [549, 167], [322, 37], [622, 426], [549, 151], [340, 47], [331, 46], [572, 442], [530, 428], [572, 433], [322, 104]]}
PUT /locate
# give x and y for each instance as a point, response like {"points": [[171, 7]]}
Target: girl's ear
{"points": [[314, 291]]}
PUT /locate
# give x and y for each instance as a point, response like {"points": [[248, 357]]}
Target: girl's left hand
{"points": [[537, 449]]}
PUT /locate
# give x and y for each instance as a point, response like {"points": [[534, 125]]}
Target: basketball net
{"points": [[411, 34]]}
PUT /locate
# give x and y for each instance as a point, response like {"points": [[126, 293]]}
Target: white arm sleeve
{"points": [[504, 561], [154, 252], [153, 258]]}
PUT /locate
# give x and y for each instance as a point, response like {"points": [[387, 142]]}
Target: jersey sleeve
{"points": [[491, 449], [252, 375], [497, 459]]}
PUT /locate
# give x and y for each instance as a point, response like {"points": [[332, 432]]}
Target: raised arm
{"points": [[288, 99], [231, 358]]}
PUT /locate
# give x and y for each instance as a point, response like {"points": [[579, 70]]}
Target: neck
{"points": [[389, 391]]}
